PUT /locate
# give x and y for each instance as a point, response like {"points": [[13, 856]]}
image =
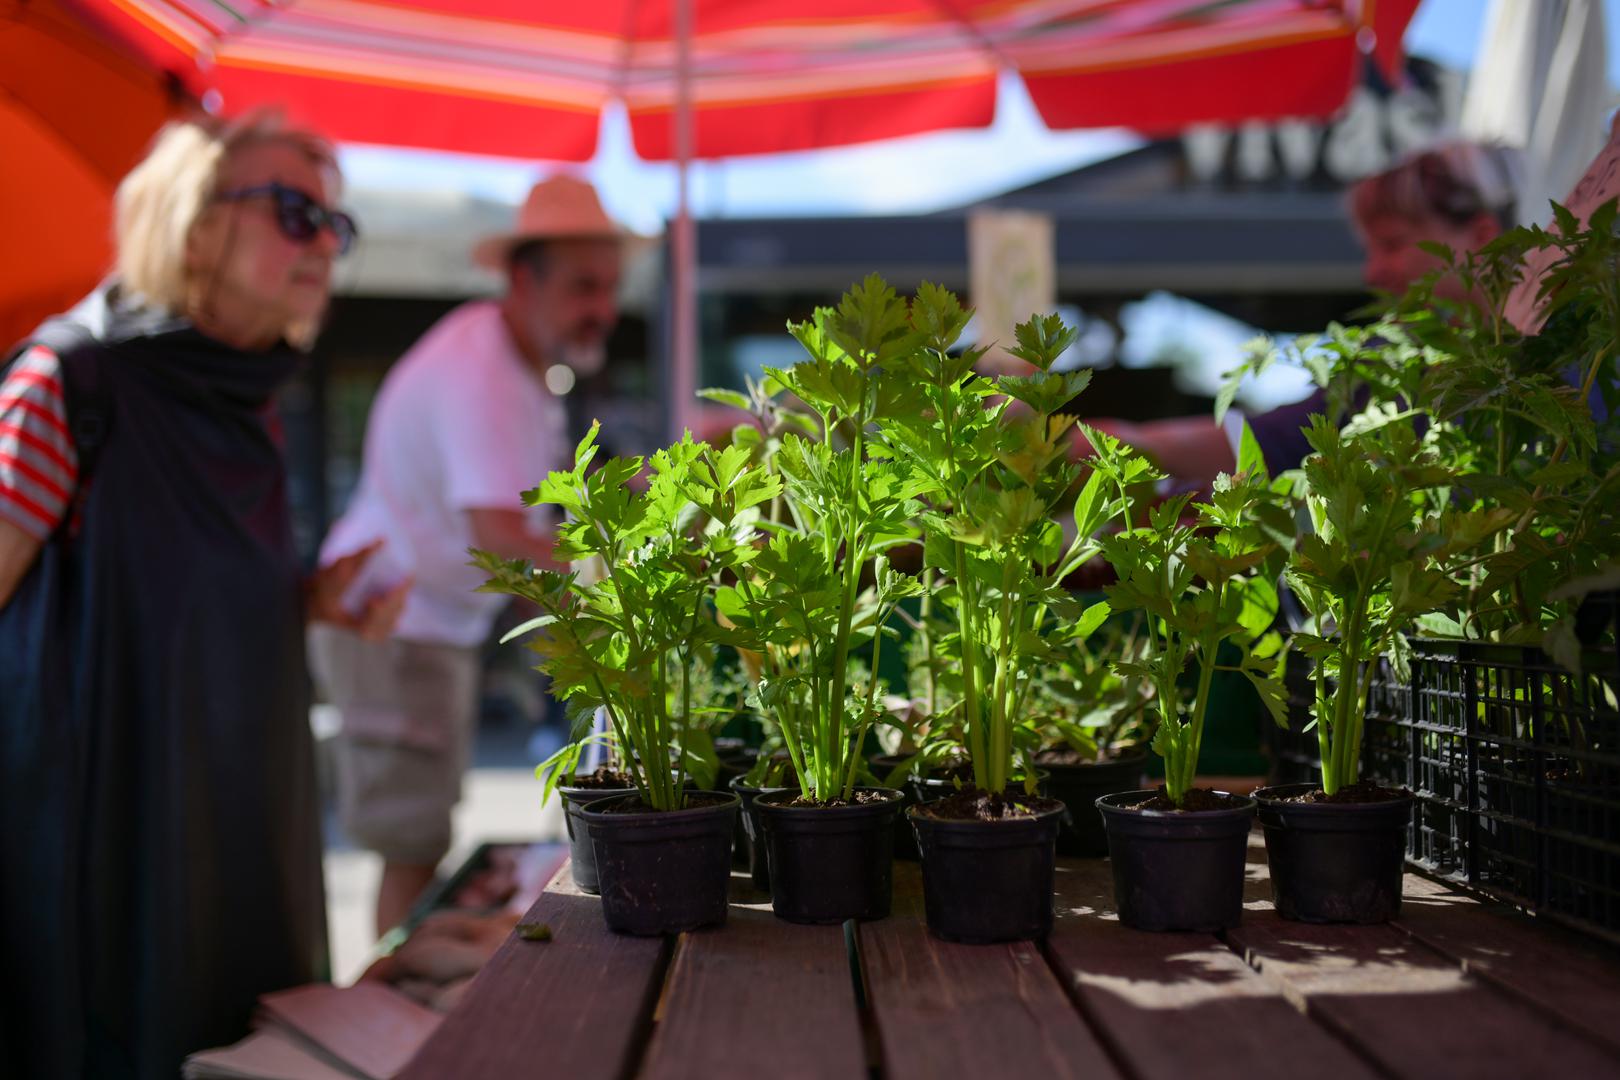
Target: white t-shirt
{"points": [[461, 423]]}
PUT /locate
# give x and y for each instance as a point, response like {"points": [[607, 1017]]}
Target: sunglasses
{"points": [[1447, 195], [299, 217]]}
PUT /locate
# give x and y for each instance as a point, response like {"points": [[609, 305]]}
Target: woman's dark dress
{"points": [[159, 823]]}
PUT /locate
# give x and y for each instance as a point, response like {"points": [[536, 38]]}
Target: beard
{"points": [[584, 358]]}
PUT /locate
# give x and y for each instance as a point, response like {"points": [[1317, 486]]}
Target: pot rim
{"points": [[728, 799], [914, 814], [1103, 803], [1264, 794], [1136, 753], [592, 794], [763, 801], [1264, 797], [736, 784]]}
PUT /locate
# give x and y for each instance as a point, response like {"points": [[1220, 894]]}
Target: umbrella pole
{"points": [[683, 271]]}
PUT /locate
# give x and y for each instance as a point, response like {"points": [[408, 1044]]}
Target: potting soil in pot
{"points": [[1198, 800], [973, 804]]}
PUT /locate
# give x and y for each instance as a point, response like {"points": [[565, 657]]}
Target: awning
{"points": [[528, 78]]}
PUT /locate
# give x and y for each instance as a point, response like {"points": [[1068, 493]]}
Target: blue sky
{"points": [[916, 174]]}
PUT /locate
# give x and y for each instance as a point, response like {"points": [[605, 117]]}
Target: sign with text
{"points": [[1376, 128], [1012, 274]]}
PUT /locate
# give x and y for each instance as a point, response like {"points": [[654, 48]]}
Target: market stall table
{"points": [[1456, 987]]}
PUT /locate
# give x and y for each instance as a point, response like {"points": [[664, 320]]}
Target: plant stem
{"points": [[1341, 736], [1195, 731], [926, 608], [871, 704], [977, 749], [818, 712], [1000, 733], [854, 556]]}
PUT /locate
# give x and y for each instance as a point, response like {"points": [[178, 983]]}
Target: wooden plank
{"points": [[577, 1006], [944, 1009], [758, 997], [1575, 978], [1228, 1021], [1409, 1009]]}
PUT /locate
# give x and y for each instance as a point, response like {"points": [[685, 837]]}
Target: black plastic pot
{"points": [[729, 747], [759, 867], [735, 761], [829, 863], [905, 840], [1334, 862], [1079, 787], [987, 881], [662, 872], [1176, 870], [581, 860]]}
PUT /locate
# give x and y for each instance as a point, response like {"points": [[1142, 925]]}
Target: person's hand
{"points": [[326, 589]]}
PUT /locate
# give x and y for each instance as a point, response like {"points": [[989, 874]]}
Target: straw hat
{"points": [[558, 207]]}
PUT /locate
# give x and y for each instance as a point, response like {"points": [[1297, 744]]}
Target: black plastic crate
{"points": [[1515, 762]]}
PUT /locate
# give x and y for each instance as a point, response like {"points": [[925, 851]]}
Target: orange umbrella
{"points": [[75, 115]]}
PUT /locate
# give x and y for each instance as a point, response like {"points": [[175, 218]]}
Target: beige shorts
{"points": [[408, 711]]}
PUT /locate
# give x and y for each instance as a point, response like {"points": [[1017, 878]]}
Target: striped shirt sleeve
{"points": [[38, 465]]}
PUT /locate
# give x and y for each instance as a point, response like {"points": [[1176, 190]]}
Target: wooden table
{"points": [[1454, 989]]}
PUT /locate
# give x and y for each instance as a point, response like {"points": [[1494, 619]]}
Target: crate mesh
{"points": [[1515, 762]]}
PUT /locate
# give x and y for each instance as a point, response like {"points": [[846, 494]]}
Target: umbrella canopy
{"points": [[529, 77], [75, 114], [1541, 84], [718, 78]]}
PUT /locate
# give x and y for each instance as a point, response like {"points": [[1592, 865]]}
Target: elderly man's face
{"points": [[566, 300]]}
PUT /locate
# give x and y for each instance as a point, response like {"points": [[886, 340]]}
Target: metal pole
{"points": [[683, 382]]}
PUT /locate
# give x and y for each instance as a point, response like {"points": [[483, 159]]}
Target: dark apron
{"points": [[159, 819]]}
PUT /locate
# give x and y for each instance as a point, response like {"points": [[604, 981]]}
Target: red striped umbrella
{"points": [[718, 78], [529, 77]]}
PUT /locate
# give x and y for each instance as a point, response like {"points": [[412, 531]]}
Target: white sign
{"points": [[1012, 274]]}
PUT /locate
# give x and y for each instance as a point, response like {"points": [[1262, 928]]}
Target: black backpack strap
{"points": [[90, 411]]}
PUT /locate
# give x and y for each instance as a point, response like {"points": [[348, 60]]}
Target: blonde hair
{"points": [[161, 200]]}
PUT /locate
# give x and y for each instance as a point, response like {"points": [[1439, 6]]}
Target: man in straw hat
{"points": [[463, 423]]}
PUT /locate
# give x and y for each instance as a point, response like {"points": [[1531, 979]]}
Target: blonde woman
{"points": [[160, 849]]}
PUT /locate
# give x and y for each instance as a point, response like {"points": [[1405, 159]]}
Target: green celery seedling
{"points": [[1201, 582], [993, 478], [627, 643], [801, 602], [1379, 554]]}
